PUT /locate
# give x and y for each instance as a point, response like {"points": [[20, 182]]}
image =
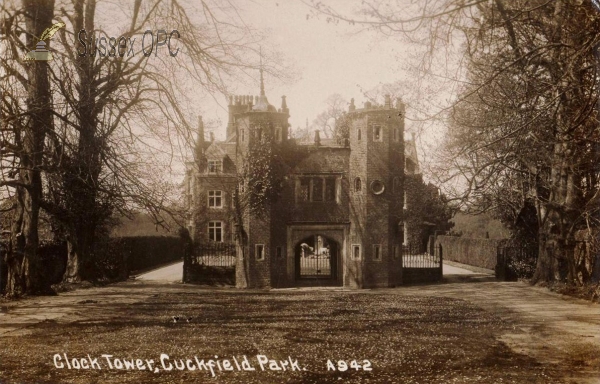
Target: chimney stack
{"points": [[284, 107], [200, 140], [399, 104], [317, 138]]}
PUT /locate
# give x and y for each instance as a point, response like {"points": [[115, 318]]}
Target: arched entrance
{"points": [[317, 258]]}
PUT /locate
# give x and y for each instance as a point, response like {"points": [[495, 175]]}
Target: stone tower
{"points": [[376, 173], [256, 123]]}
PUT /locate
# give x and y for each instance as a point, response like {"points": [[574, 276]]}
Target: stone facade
{"points": [[339, 217]]}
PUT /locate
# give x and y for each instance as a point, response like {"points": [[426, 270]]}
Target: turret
{"points": [[376, 179], [259, 123]]}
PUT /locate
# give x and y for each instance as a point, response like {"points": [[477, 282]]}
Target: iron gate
{"points": [[316, 258]]}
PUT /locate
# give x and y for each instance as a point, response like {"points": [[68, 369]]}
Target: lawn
{"points": [[383, 338]]}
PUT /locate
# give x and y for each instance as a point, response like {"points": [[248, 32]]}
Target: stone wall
{"points": [[259, 234], [477, 252], [421, 275]]}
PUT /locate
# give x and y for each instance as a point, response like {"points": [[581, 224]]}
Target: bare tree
{"points": [[525, 126], [118, 116], [327, 120], [116, 102], [27, 118], [525, 130]]}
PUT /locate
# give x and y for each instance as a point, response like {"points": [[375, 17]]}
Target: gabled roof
{"points": [[323, 160], [219, 150], [229, 148], [216, 151]]}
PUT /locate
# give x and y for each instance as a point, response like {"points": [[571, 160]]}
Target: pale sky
{"points": [[328, 59], [340, 58]]}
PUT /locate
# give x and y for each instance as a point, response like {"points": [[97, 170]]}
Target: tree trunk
{"points": [[241, 245], [242, 259], [82, 175], [80, 261], [15, 284], [557, 246], [595, 257], [241, 264], [22, 258], [72, 273]]}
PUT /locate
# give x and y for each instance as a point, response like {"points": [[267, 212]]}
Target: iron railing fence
{"points": [[220, 254], [415, 256], [213, 254]]}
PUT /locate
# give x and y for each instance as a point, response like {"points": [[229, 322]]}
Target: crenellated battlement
{"points": [[239, 104], [242, 100], [370, 106]]}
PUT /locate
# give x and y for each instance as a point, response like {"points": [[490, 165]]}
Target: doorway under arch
{"points": [[317, 258]]}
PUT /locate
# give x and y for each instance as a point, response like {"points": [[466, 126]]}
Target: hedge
{"points": [[476, 252], [115, 259], [144, 252]]}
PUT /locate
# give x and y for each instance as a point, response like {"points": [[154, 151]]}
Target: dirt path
{"points": [[548, 327], [172, 273], [17, 318]]}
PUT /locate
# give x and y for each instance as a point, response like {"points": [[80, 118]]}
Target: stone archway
{"points": [[326, 266]]}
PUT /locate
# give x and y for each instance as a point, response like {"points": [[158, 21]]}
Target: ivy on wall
{"points": [[265, 168]]}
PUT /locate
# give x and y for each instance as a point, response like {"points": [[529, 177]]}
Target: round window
{"points": [[377, 187]]}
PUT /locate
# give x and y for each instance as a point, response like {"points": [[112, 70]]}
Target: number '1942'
{"points": [[344, 365]]}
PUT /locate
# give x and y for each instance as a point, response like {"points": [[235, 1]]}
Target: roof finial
{"points": [[262, 104], [262, 83]]}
